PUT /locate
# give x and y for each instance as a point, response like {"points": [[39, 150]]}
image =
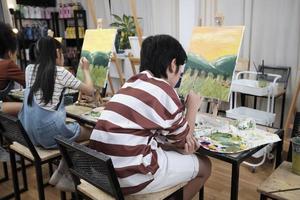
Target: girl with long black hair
{"points": [[43, 114]]}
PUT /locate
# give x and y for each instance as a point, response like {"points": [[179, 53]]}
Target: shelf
{"points": [[72, 18], [36, 19], [73, 38], [260, 117]]}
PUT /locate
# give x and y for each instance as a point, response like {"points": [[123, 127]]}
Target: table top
{"points": [[282, 184], [238, 157], [262, 127], [18, 94], [76, 111]]}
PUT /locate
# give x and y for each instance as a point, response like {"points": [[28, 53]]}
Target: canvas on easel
{"points": [[212, 56], [97, 48]]}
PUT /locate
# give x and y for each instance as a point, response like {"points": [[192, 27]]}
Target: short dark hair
{"points": [[158, 52], [8, 39]]}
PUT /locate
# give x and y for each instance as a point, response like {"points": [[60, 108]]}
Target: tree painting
{"points": [[97, 48]]}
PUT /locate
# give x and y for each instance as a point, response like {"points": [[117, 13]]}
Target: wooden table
{"points": [[76, 111], [282, 184]]}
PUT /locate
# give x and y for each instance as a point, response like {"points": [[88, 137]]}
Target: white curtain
{"points": [[276, 35]]}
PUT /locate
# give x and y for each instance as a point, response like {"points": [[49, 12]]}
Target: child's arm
{"points": [[12, 108], [190, 144], [86, 87]]}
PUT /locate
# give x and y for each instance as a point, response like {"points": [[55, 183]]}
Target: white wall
{"points": [[187, 20]]}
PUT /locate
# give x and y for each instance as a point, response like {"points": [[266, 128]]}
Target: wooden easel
{"points": [[137, 26], [215, 107], [97, 100], [133, 62], [116, 61]]}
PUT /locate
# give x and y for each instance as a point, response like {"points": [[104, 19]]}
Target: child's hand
{"points": [[191, 145], [193, 101], [84, 63]]}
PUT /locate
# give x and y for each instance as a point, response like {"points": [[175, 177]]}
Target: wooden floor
{"points": [[217, 187]]}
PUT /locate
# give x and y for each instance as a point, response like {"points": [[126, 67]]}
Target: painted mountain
{"points": [[212, 57], [97, 48]]}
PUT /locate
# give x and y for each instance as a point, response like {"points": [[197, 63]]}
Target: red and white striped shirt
{"points": [[127, 129]]}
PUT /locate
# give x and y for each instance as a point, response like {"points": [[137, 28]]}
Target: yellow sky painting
{"points": [[99, 40], [214, 42]]}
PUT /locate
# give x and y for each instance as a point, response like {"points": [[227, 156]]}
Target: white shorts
{"points": [[174, 168]]}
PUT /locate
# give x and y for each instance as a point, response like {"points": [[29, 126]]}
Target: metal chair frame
{"points": [[93, 167], [13, 131]]}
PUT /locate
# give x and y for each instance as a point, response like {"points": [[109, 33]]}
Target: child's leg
{"points": [[11, 108], [194, 186], [85, 134]]}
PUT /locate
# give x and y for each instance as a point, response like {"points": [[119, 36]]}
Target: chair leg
{"points": [[74, 196], [23, 167], [14, 174], [263, 197], [201, 193], [5, 172], [39, 179], [63, 195], [289, 156], [50, 169]]}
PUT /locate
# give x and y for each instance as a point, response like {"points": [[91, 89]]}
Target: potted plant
{"points": [[126, 28]]}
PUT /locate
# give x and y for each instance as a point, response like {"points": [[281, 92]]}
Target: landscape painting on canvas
{"points": [[212, 57], [97, 48]]}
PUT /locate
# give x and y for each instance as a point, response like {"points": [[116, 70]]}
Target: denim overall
{"points": [[43, 125]]}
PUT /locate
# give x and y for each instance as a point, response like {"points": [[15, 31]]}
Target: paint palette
{"points": [[94, 114], [223, 142]]}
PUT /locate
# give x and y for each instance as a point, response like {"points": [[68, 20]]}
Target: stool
{"points": [[281, 184]]}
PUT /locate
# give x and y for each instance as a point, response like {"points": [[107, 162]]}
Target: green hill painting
{"points": [[212, 57], [97, 48]]}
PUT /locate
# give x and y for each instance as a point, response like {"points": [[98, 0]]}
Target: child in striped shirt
{"points": [[144, 129], [43, 115]]}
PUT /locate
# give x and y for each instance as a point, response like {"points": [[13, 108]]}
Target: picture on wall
{"points": [[212, 57], [97, 47]]}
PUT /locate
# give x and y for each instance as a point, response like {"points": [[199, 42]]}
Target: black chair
{"points": [[21, 144], [284, 72], [94, 174], [295, 132], [4, 163], [3, 149], [4, 92]]}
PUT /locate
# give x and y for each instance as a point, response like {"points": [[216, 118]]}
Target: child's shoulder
{"points": [[61, 70]]}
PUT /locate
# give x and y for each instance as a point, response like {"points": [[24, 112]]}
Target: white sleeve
{"points": [[68, 80]]}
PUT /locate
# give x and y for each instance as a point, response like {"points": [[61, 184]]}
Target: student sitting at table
{"points": [[9, 71], [43, 113], [145, 131]]}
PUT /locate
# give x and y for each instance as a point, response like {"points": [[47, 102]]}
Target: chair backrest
{"points": [[5, 91], [13, 131], [91, 166], [283, 71]]}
